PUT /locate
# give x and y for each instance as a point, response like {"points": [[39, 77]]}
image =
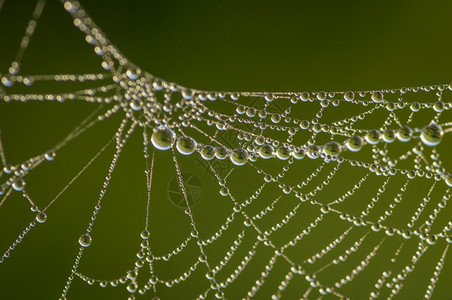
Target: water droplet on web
{"points": [[41, 217], [269, 97], [71, 6], [7, 81], [85, 240], [332, 148], [373, 136], [404, 134], [325, 209], [224, 191], [239, 156], [304, 96], [377, 97], [388, 136], [432, 134], [8, 169], [298, 153], [50, 155], [207, 152], [313, 152], [259, 140], [438, 106], [221, 152], [321, 96], [266, 151], [240, 109], [448, 179], [251, 112], [186, 145], [163, 138], [133, 74], [283, 153], [136, 104], [349, 96], [18, 184], [415, 106], [132, 287], [145, 234], [276, 118], [354, 143], [187, 94]]}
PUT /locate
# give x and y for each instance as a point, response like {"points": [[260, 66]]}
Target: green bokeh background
{"points": [[211, 45]]}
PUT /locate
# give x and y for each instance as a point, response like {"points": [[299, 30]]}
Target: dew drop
{"points": [[313, 152], [50, 155], [432, 134], [377, 97], [41, 217], [145, 234], [163, 138], [415, 106], [283, 153], [388, 136], [304, 96], [332, 148], [354, 143], [325, 209], [298, 153], [85, 240], [266, 151], [373, 136], [224, 191], [404, 134], [239, 156], [210, 275], [321, 96], [18, 184], [186, 145], [349, 96], [221, 152], [207, 152], [132, 287], [276, 118], [449, 179], [135, 105]]}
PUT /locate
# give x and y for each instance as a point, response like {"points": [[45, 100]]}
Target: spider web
{"points": [[306, 198]]}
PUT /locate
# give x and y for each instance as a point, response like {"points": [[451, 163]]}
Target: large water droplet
{"points": [[404, 133], [354, 143], [239, 156], [85, 240], [186, 145], [373, 136], [332, 148], [163, 138], [221, 152], [207, 152], [377, 97], [266, 151], [388, 136], [283, 153], [432, 134], [349, 96]]}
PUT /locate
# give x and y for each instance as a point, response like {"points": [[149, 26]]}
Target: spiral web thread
{"points": [[272, 136]]}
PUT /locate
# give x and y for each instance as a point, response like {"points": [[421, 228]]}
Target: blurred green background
{"points": [[211, 45]]}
